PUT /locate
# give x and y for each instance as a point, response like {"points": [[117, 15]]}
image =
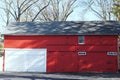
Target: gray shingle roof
{"points": [[64, 28]]}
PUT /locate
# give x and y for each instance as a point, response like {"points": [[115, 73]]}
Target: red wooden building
{"points": [[65, 46]]}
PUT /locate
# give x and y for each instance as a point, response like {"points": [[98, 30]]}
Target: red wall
{"points": [[62, 52]]}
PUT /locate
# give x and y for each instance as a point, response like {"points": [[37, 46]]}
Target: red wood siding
{"points": [[62, 52], [62, 62], [97, 62]]}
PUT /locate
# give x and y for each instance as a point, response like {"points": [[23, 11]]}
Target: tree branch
{"points": [[28, 7], [40, 11]]}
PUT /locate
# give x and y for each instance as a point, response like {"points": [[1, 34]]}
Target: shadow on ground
{"points": [[56, 76], [103, 75]]}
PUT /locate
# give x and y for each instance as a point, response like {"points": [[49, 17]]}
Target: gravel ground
{"points": [[58, 76]]}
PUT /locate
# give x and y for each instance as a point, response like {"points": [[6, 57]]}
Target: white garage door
{"points": [[25, 60]]}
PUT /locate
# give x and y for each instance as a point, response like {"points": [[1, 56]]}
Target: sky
{"points": [[77, 15]]}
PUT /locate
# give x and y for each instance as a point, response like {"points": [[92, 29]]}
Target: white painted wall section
{"points": [[1, 63]]}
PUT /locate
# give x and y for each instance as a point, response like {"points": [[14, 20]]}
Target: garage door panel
{"points": [[25, 60], [35, 63], [14, 59]]}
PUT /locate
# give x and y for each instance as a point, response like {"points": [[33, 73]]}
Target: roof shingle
{"points": [[64, 28]]}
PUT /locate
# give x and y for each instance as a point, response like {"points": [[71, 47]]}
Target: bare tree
{"points": [[58, 10], [40, 10], [101, 8], [18, 9], [116, 9], [6, 18]]}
